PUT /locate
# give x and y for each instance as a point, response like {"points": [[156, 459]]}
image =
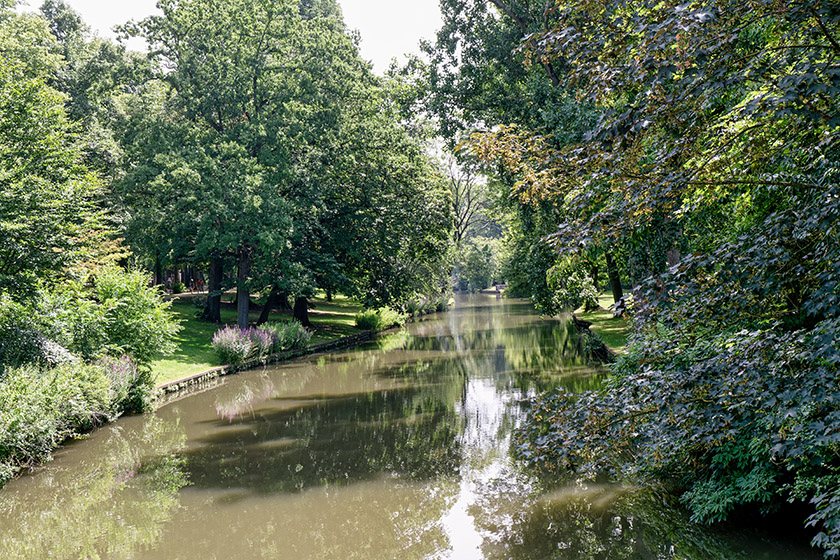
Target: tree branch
{"points": [[510, 13], [825, 31], [555, 81]]}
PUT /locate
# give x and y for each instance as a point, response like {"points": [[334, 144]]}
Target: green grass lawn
{"points": [[613, 332], [194, 354]]}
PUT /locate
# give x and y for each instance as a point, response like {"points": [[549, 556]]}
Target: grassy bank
{"points": [[331, 319], [614, 332]]}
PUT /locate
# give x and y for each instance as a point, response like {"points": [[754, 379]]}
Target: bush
{"points": [[20, 347], [414, 306], [236, 346], [119, 315], [131, 388], [41, 408], [288, 335], [379, 319], [21, 343], [263, 342], [73, 319], [233, 345], [136, 319], [368, 320], [423, 305], [179, 287], [571, 288]]}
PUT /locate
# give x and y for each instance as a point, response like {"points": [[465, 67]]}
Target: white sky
{"points": [[389, 28]]}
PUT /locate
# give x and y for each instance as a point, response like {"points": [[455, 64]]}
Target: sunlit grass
{"points": [[614, 332], [195, 355]]}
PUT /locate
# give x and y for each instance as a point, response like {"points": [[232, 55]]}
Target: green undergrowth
{"points": [[379, 319], [194, 353]]}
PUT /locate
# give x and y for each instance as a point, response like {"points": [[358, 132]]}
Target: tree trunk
{"points": [[593, 272], [301, 311], [672, 257], [243, 293], [158, 271], [272, 302], [615, 278], [329, 295], [213, 311], [283, 303]]}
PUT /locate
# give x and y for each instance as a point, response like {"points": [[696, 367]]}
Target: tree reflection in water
{"points": [[400, 449], [118, 498]]}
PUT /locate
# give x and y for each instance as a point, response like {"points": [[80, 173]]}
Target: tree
{"points": [[246, 96], [95, 75], [481, 78], [49, 219], [388, 215], [715, 158], [279, 149], [469, 201], [26, 41]]}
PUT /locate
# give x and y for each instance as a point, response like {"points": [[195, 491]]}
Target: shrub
{"points": [[136, 319], [70, 317], [263, 342], [379, 319], [40, 408], [368, 320], [289, 335], [19, 341], [20, 347], [236, 346], [420, 306], [390, 318], [571, 288], [119, 315], [414, 306], [22, 343], [179, 287], [233, 345], [423, 305], [131, 387]]}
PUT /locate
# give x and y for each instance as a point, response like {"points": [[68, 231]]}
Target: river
{"points": [[399, 449]]}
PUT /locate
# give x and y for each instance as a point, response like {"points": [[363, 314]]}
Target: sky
{"points": [[388, 28]]}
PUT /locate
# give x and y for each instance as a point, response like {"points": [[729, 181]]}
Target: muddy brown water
{"points": [[400, 449]]}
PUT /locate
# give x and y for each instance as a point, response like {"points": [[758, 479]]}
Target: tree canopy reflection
{"points": [[81, 511]]}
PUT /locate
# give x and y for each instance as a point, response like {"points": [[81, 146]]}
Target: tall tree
{"points": [[388, 215], [276, 147], [717, 154], [49, 219], [246, 76], [469, 200], [479, 78]]}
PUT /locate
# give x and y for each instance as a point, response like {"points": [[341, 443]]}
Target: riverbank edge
{"points": [[184, 385], [174, 390], [615, 339]]}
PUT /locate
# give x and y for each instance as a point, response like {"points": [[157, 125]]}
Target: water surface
{"points": [[397, 450]]}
